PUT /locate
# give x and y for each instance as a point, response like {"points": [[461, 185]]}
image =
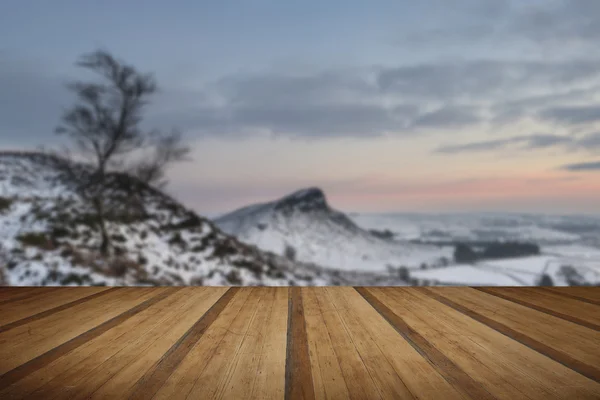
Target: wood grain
{"points": [[544, 335], [445, 366], [549, 303], [299, 343]]}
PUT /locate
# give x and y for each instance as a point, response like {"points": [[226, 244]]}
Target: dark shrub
{"points": [[5, 204], [464, 254], [404, 274], [385, 234], [545, 280], [290, 253], [36, 239], [118, 238], [234, 277], [572, 276], [510, 250], [59, 232]]}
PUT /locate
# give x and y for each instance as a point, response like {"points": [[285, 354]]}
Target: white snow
{"points": [[460, 275], [323, 236]]}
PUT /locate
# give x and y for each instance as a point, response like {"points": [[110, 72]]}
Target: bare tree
{"points": [[104, 127]]}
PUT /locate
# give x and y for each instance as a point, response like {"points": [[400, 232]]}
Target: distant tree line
{"points": [[384, 234], [464, 253]]}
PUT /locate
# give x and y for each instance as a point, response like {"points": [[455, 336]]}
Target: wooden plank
{"points": [[585, 296], [328, 380], [32, 304], [571, 345], [18, 360], [52, 304], [537, 330], [96, 351], [420, 377], [141, 367], [100, 362], [270, 375], [244, 366], [382, 373], [506, 368], [156, 376], [358, 380], [461, 381], [575, 311], [182, 380], [426, 343], [298, 379], [26, 293], [211, 382]]}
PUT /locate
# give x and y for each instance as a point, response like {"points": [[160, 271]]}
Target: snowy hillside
{"points": [[312, 231], [47, 237]]}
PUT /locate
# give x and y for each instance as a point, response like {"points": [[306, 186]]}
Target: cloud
{"points": [[447, 117], [590, 141], [364, 102], [565, 21], [505, 24], [530, 142], [586, 166], [542, 141], [572, 115], [483, 79]]}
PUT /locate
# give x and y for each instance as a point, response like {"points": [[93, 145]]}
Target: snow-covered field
{"points": [[564, 241], [543, 229]]}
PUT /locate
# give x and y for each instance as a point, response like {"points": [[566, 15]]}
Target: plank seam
{"points": [[562, 358], [43, 360], [536, 307], [54, 310], [29, 295], [451, 372], [298, 376], [572, 296], [155, 377]]}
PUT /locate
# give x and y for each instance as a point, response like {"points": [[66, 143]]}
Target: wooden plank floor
{"points": [[300, 343]]}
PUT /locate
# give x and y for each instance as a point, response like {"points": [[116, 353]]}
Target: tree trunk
{"points": [[105, 241], [104, 245]]}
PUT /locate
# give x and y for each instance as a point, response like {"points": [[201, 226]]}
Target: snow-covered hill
{"points": [[47, 237], [303, 224]]}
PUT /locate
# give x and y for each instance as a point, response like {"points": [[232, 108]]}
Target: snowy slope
{"points": [[48, 238], [319, 234]]}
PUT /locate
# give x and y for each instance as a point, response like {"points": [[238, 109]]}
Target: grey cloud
{"points": [[541, 141], [590, 141], [482, 79], [572, 115], [447, 117], [319, 120], [531, 142], [353, 102], [504, 23], [565, 21], [318, 88], [586, 166], [475, 146]]}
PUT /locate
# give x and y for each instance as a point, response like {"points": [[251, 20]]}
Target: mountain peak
{"points": [[309, 199]]}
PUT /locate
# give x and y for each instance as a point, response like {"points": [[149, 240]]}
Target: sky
{"points": [[387, 105]]}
